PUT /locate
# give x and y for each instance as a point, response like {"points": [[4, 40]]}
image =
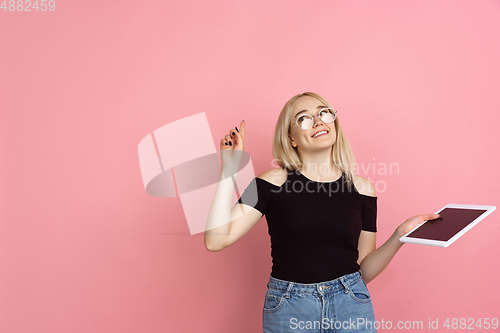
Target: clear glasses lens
{"points": [[306, 121], [327, 116]]}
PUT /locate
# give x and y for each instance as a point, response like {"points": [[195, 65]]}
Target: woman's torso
{"points": [[314, 226]]}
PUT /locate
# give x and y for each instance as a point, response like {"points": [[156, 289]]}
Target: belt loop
{"points": [[289, 289], [344, 284]]}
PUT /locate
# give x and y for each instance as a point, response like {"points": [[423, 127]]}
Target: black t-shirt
{"points": [[314, 226]]}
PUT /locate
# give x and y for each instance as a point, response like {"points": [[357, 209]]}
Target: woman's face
{"points": [[304, 140]]}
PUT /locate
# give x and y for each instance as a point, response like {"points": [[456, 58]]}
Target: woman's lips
{"points": [[314, 137]]}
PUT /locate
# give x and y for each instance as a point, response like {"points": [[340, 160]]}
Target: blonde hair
{"points": [[288, 157]]}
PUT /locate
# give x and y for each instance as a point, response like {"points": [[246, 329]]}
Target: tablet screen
{"points": [[452, 221]]}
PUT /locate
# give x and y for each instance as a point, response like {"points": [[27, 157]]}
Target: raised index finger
{"points": [[242, 129]]}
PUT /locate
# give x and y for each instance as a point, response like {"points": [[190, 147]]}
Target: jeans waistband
{"points": [[342, 282]]}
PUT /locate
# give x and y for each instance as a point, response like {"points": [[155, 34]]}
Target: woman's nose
{"points": [[317, 120]]}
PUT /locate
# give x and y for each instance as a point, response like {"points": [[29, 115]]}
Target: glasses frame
{"points": [[316, 115]]}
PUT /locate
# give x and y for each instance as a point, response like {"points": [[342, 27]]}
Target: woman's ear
{"points": [[292, 142]]}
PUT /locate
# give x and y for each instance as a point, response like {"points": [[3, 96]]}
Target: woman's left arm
{"points": [[373, 261], [377, 260]]}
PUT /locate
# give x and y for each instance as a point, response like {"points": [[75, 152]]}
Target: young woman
{"points": [[321, 219]]}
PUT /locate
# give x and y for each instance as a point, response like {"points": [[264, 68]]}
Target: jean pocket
{"points": [[274, 300], [359, 291]]}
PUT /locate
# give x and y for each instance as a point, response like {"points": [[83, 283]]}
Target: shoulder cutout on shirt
{"points": [[276, 176], [364, 186]]}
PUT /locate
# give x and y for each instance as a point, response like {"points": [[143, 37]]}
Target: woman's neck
{"points": [[319, 165]]}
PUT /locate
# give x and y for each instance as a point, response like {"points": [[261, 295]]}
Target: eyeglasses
{"points": [[306, 121]]}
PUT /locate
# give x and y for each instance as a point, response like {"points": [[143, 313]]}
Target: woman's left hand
{"points": [[412, 222]]}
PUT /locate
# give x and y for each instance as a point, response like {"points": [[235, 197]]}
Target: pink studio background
{"points": [[83, 248]]}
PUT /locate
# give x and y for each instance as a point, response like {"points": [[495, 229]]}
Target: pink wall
{"points": [[83, 247]]}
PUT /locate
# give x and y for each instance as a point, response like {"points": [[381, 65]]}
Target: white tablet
{"points": [[454, 221]]}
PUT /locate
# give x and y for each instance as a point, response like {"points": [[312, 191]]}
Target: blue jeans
{"points": [[340, 305]]}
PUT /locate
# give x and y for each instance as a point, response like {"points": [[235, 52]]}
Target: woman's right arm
{"points": [[225, 225]]}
